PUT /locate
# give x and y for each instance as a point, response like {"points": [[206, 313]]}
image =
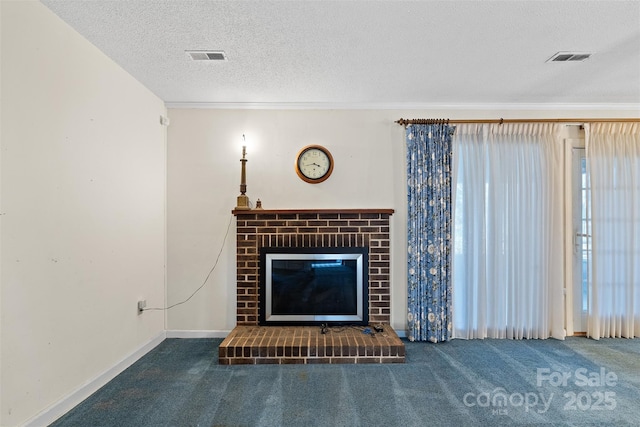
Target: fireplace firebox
{"points": [[312, 286]]}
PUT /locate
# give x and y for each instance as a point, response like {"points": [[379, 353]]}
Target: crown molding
{"points": [[627, 107]]}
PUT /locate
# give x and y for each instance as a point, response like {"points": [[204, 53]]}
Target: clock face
{"points": [[314, 164]]}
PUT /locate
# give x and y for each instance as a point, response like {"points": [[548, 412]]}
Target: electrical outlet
{"points": [[141, 305]]}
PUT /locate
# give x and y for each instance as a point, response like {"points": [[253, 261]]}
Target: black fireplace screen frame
{"points": [[344, 257]]}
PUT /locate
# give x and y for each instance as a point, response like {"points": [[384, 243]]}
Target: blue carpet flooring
{"points": [[576, 382]]}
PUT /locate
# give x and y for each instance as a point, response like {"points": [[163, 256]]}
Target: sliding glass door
{"points": [[580, 252]]}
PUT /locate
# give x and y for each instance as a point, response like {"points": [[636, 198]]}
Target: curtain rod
{"points": [[406, 122]]}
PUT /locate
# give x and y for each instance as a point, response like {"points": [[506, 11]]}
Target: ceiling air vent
{"points": [[569, 57], [207, 55]]}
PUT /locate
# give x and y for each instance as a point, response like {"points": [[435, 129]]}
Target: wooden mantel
{"points": [[311, 211]]}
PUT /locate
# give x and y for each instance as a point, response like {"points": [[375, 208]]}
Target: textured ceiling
{"points": [[370, 53]]}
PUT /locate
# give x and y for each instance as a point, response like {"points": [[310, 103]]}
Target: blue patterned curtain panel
{"points": [[429, 152]]}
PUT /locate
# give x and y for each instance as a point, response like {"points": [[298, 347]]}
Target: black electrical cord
{"points": [[325, 329], [205, 280]]}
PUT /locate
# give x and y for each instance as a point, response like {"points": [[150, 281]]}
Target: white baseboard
{"points": [[64, 405], [401, 333], [197, 334]]}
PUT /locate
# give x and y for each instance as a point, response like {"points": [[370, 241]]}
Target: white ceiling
{"points": [[394, 54]]}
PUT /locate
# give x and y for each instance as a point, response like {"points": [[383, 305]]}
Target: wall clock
{"points": [[314, 164]]}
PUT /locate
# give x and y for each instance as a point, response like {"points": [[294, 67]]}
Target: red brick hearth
{"points": [[307, 345], [309, 229]]}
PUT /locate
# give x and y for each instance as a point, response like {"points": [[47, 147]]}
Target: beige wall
{"points": [[203, 183], [82, 215]]}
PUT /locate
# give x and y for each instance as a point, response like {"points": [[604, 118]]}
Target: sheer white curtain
{"points": [[508, 272], [613, 161]]}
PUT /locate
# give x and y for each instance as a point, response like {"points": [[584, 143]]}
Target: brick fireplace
{"points": [[317, 228], [308, 229]]}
